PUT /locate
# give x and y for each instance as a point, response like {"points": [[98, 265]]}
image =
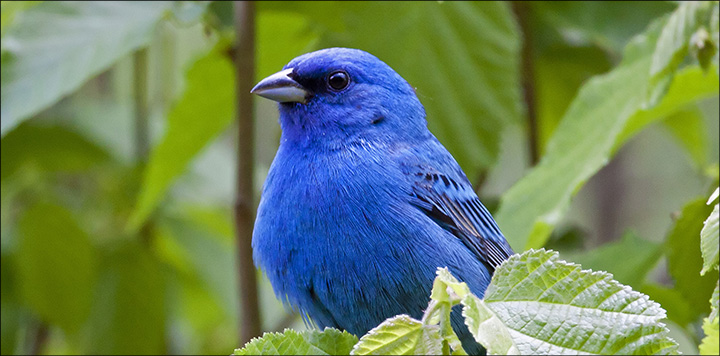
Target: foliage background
{"points": [[118, 152]]}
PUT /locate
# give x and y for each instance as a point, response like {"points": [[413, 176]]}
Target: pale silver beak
{"points": [[281, 88]]}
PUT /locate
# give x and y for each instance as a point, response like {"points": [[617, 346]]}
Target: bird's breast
{"points": [[318, 208], [338, 236]]}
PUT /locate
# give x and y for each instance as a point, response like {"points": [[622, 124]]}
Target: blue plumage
{"points": [[362, 203]]}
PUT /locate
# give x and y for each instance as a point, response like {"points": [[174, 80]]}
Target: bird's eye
{"points": [[338, 80]]}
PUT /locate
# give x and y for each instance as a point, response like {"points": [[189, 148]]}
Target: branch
{"points": [[522, 10], [140, 88], [142, 135], [244, 200], [40, 338]]}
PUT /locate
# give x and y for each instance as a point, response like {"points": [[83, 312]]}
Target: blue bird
{"points": [[362, 203]]}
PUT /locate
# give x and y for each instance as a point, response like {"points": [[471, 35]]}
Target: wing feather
{"points": [[455, 207]]}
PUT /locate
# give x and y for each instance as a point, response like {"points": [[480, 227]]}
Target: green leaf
{"points": [[549, 306], [678, 308], [11, 324], [196, 243], [207, 328], [684, 257], [400, 335], [464, 63], [447, 292], [703, 48], [639, 256], [709, 345], [48, 148], [199, 250], [715, 35], [327, 342], [13, 314], [714, 303], [189, 12], [281, 36], [487, 329], [129, 315], [608, 25], [57, 267], [9, 10], [555, 89], [447, 288], [709, 238], [219, 16], [54, 47], [673, 43], [690, 85], [689, 129], [606, 112], [713, 196], [204, 111]]}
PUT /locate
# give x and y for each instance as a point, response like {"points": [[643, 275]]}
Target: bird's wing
{"points": [[456, 207]]}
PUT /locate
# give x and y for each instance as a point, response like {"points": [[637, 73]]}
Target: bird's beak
{"points": [[281, 88]]}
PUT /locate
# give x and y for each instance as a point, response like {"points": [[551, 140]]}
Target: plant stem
{"points": [[527, 77], [142, 135], [167, 75], [140, 86], [244, 201], [609, 185], [41, 337]]}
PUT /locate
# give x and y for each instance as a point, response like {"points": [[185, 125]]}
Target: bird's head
{"points": [[338, 96]]}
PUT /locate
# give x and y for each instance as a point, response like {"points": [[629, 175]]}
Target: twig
{"points": [[142, 135], [140, 86], [42, 332], [244, 201], [522, 10], [169, 54]]}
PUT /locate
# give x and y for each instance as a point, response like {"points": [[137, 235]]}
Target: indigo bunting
{"points": [[362, 203]]}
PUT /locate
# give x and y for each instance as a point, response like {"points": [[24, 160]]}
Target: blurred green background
{"points": [[583, 126]]}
